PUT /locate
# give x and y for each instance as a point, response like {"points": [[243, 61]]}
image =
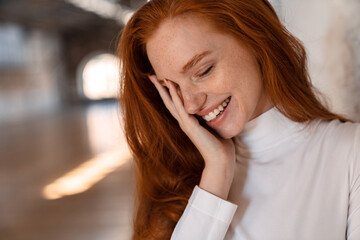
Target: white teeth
{"points": [[211, 116]]}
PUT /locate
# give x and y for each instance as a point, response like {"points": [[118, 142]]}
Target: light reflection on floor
{"points": [[87, 174], [84, 146]]}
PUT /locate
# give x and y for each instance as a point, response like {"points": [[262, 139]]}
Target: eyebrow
{"points": [[194, 60]]}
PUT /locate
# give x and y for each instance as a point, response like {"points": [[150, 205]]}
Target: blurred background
{"points": [[65, 170], [64, 165]]}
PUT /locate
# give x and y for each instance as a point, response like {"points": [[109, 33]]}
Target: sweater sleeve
{"points": [[206, 217], [353, 228]]}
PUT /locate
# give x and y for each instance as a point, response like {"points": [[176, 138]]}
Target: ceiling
{"points": [[57, 15]]}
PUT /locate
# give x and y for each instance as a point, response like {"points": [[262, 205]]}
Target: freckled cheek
{"points": [[220, 83]]}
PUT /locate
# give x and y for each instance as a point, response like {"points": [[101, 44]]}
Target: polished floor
{"points": [[66, 176]]}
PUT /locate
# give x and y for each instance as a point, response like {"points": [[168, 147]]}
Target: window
{"points": [[99, 77]]}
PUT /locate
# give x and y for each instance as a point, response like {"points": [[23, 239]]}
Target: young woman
{"points": [[229, 139]]}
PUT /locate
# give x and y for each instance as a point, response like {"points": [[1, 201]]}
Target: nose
{"points": [[193, 98]]}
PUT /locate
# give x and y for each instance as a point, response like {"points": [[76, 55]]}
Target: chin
{"points": [[228, 133]]}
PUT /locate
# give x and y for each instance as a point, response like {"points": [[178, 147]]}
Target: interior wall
{"points": [[38, 69], [79, 45], [330, 31]]}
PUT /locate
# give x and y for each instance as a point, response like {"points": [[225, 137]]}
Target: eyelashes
{"points": [[203, 74], [208, 70]]}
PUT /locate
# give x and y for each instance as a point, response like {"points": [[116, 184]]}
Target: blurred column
{"points": [[30, 71]]}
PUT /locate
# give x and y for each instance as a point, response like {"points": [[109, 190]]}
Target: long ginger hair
{"points": [[168, 165]]}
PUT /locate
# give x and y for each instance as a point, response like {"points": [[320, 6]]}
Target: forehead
{"points": [[177, 40]]}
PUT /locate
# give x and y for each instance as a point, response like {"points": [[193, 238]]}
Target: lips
{"points": [[217, 111]]}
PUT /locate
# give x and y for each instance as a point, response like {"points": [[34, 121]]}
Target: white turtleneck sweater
{"points": [[292, 182]]}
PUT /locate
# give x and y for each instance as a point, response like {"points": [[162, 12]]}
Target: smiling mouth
{"points": [[217, 111]]}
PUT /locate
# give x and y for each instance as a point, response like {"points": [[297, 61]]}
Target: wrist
{"points": [[217, 180]]}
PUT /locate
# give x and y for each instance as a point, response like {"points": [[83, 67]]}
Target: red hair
{"points": [[168, 164]]}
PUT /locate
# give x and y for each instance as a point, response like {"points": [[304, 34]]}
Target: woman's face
{"points": [[217, 77]]}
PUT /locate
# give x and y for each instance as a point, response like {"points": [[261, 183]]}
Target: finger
{"points": [[178, 103], [164, 96]]}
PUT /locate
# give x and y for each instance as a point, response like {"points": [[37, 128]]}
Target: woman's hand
{"points": [[218, 153]]}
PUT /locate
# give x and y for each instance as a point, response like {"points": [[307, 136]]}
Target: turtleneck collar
{"points": [[264, 133]]}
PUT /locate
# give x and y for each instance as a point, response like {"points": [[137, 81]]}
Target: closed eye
{"points": [[205, 72]]}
